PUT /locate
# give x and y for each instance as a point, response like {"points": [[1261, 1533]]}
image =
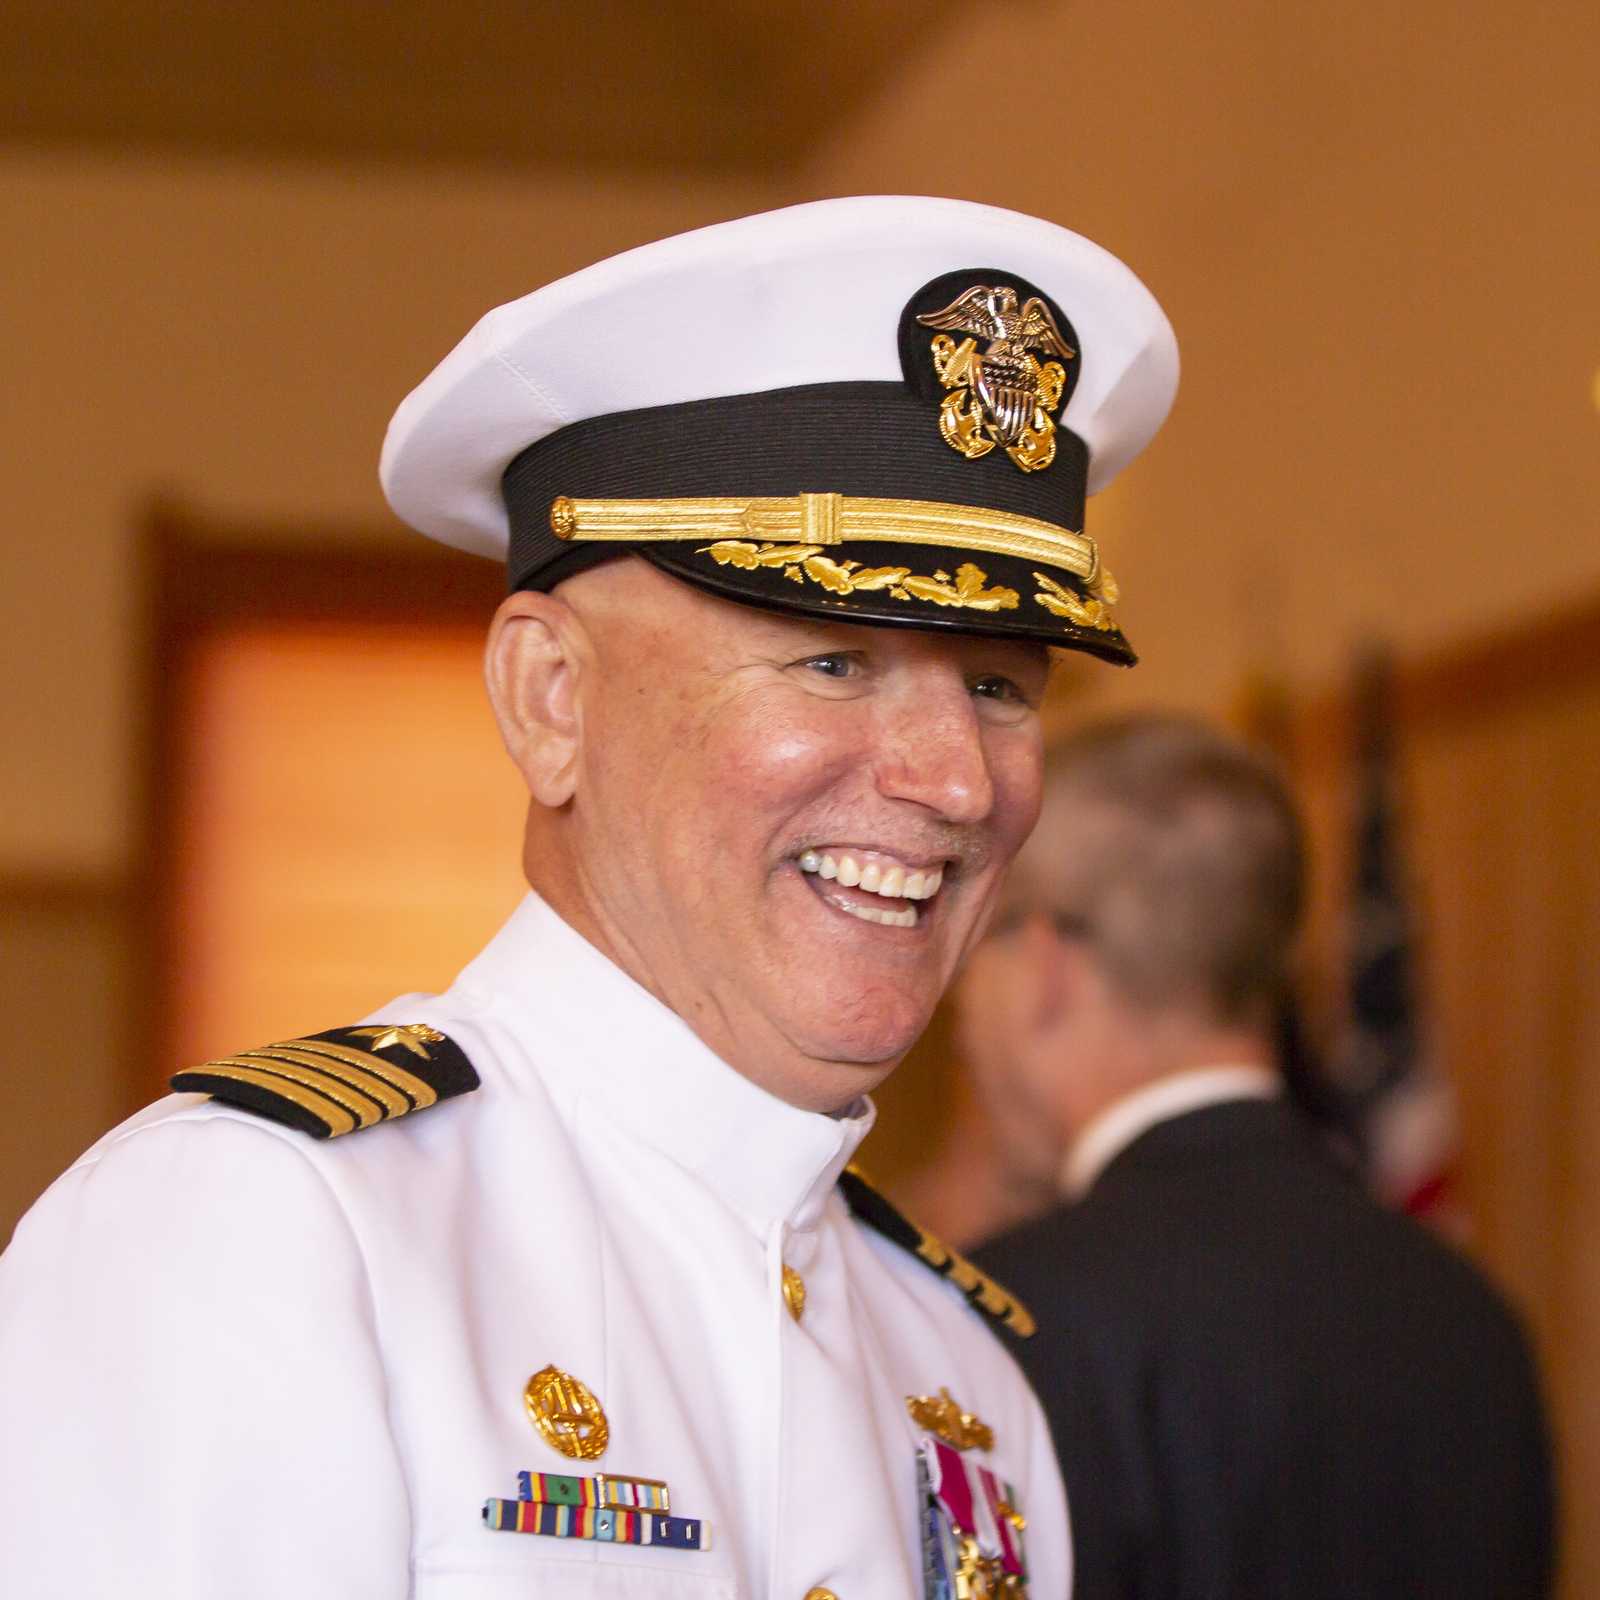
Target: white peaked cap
{"points": [[810, 295]]}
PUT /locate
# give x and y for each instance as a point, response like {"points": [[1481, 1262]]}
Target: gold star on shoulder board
{"points": [[410, 1036]]}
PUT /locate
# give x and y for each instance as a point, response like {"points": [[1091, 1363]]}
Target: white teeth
{"points": [[893, 882], [889, 919]]}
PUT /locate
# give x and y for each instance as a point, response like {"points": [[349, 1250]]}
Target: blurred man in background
{"points": [[1260, 1382]]}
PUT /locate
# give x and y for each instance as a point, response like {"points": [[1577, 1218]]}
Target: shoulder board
{"points": [[999, 1305], [336, 1082]]}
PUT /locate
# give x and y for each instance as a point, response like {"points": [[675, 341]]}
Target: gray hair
{"points": [[1177, 852]]}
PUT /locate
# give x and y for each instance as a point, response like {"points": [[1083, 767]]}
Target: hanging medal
{"points": [[971, 1529]]}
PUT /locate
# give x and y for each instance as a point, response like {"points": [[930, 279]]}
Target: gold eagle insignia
{"points": [[1002, 394]]}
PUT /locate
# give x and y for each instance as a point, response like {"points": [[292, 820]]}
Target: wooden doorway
{"points": [[330, 819]]}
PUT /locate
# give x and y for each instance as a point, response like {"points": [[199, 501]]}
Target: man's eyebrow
{"points": [[793, 634]]}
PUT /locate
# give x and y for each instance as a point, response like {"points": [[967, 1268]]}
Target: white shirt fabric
{"points": [[239, 1362], [1108, 1133]]}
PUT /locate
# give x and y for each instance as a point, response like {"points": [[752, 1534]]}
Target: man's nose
{"points": [[932, 753]]}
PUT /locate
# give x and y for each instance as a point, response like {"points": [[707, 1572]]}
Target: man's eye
{"points": [[995, 687], [840, 665]]}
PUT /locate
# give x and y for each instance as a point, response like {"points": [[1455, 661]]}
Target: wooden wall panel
{"points": [[1506, 818], [66, 975], [349, 828], [328, 817], [1499, 751]]}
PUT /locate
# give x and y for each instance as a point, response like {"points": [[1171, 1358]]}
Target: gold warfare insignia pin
{"points": [[1000, 395], [566, 1414], [940, 1415]]}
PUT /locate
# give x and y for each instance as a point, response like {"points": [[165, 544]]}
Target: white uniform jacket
{"points": [[236, 1361]]}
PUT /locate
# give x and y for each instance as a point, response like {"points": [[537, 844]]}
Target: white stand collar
{"points": [[599, 1036]]}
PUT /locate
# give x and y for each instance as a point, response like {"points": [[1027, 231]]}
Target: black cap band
{"points": [[867, 439]]}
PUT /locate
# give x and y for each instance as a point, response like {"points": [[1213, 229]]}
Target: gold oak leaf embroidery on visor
{"points": [[967, 590], [801, 561], [1092, 613]]}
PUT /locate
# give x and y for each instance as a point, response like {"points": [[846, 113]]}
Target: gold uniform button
{"points": [[821, 1594], [794, 1296]]}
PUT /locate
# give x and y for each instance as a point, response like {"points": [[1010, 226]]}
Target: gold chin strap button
{"points": [[794, 1296], [821, 1594]]}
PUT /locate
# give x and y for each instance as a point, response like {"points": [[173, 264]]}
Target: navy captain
{"points": [[793, 516]]}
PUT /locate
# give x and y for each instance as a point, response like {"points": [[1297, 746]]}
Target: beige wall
{"points": [[1376, 228], [237, 335], [1377, 231]]}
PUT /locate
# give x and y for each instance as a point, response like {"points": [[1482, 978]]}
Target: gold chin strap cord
{"points": [[829, 519]]}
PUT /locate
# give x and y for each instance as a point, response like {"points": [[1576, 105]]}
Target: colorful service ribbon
{"points": [[601, 1523], [603, 1489]]}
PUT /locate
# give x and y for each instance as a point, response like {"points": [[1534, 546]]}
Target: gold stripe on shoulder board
{"points": [[326, 1086], [363, 1061], [872, 1207], [338, 1116]]}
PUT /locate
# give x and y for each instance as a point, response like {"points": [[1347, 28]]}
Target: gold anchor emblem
{"points": [[1002, 394], [567, 1415]]}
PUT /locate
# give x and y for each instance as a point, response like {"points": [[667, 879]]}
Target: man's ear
{"points": [[1051, 968], [536, 655]]}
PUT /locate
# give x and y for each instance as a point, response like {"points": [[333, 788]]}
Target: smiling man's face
{"points": [[791, 831]]}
